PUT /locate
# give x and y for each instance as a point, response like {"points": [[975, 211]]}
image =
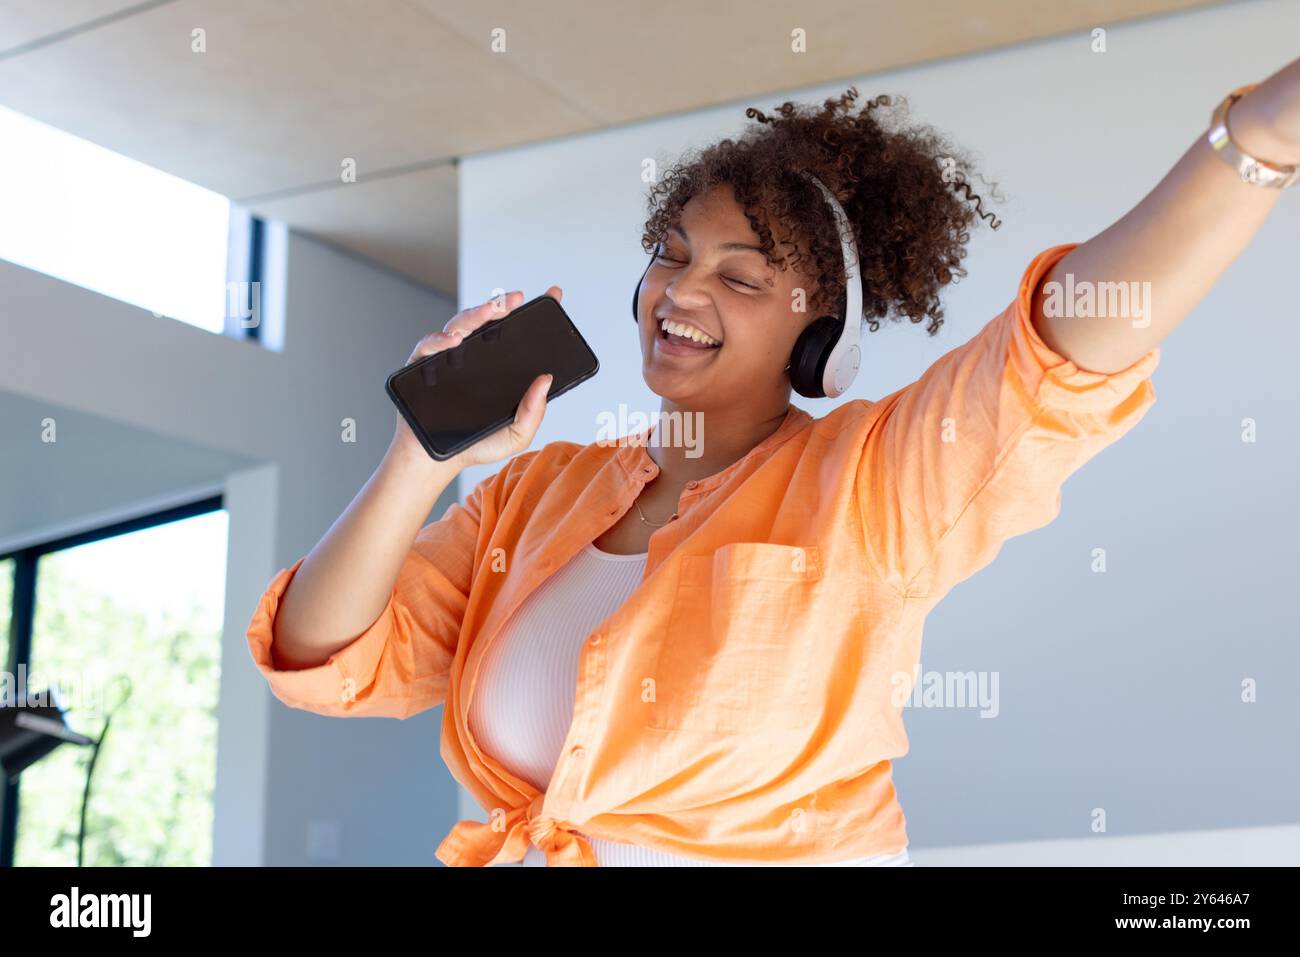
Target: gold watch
{"points": [[1251, 169]]}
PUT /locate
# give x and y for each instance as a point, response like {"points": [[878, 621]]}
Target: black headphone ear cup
{"points": [[636, 295], [811, 350]]}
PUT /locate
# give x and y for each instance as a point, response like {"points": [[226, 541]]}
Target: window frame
{"points": [[245, 271], [23, 617]]}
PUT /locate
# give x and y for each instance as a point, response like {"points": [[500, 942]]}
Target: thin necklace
{"points": [[647, 521]]}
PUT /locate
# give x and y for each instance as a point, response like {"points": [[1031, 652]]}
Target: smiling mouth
{"points": [[693, 340]]}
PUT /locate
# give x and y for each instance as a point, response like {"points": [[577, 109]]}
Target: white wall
{"points": [[1118, 691], [1277, 846], [154, 408]]}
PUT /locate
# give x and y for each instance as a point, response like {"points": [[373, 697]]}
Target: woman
{"points": [[656, 657]]}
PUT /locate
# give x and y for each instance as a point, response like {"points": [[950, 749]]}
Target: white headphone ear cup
{"points": [[845, 369]]}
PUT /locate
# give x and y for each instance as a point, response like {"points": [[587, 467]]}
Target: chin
{"points": [[670, 387]]}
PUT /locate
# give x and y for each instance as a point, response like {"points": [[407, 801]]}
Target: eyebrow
{"points": [[729, 247]]}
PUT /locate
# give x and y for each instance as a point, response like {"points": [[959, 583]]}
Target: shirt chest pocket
{"points": [[740, 636]]}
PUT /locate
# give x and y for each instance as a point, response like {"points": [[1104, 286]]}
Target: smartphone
{"points": [[453, 398]]}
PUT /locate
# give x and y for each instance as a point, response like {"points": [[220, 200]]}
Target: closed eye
{"points": [[738, 282]]}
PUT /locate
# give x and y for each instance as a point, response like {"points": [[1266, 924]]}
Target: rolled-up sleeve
{"points": [[976, 450], [401, 664]]}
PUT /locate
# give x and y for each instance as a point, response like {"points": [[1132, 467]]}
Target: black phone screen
{"points": [[456, 397]]}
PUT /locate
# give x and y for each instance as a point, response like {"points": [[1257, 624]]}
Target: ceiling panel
{"points": [[624, 62], [284, 93], [23, 22], [407, 223]]}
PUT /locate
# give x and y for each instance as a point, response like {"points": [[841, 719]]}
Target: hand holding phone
{"points": [[461, 401]]}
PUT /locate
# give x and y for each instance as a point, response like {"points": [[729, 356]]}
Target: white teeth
{"points": [[688, 332]]}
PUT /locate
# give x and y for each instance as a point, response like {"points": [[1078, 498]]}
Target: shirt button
{"points": [[595, 639], [579, 753], [692, 483]]}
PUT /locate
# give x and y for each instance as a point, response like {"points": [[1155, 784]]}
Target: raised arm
{"points": [[975, 451], [368, 623], [1174, 245]]}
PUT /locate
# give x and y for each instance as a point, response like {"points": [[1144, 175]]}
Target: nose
{"points": [[685, 292]]}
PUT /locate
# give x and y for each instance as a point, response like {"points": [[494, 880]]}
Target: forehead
{"points": [[716, 211], [714, 216]]}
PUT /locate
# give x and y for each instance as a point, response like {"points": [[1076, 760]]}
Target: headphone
{"points": [[827, 354]]}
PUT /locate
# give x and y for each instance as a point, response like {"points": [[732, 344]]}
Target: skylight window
{"points": [[95, 218]]}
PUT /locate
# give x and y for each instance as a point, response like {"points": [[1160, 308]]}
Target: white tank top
{"points": [[523, 702]]}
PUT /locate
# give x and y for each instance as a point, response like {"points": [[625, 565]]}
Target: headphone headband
{"points": [[842, 364]]}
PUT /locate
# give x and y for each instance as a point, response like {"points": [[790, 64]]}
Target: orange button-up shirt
{"points": [[744, 704]]}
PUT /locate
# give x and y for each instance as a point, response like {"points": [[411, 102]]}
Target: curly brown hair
{"points": [[899, 187]]}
